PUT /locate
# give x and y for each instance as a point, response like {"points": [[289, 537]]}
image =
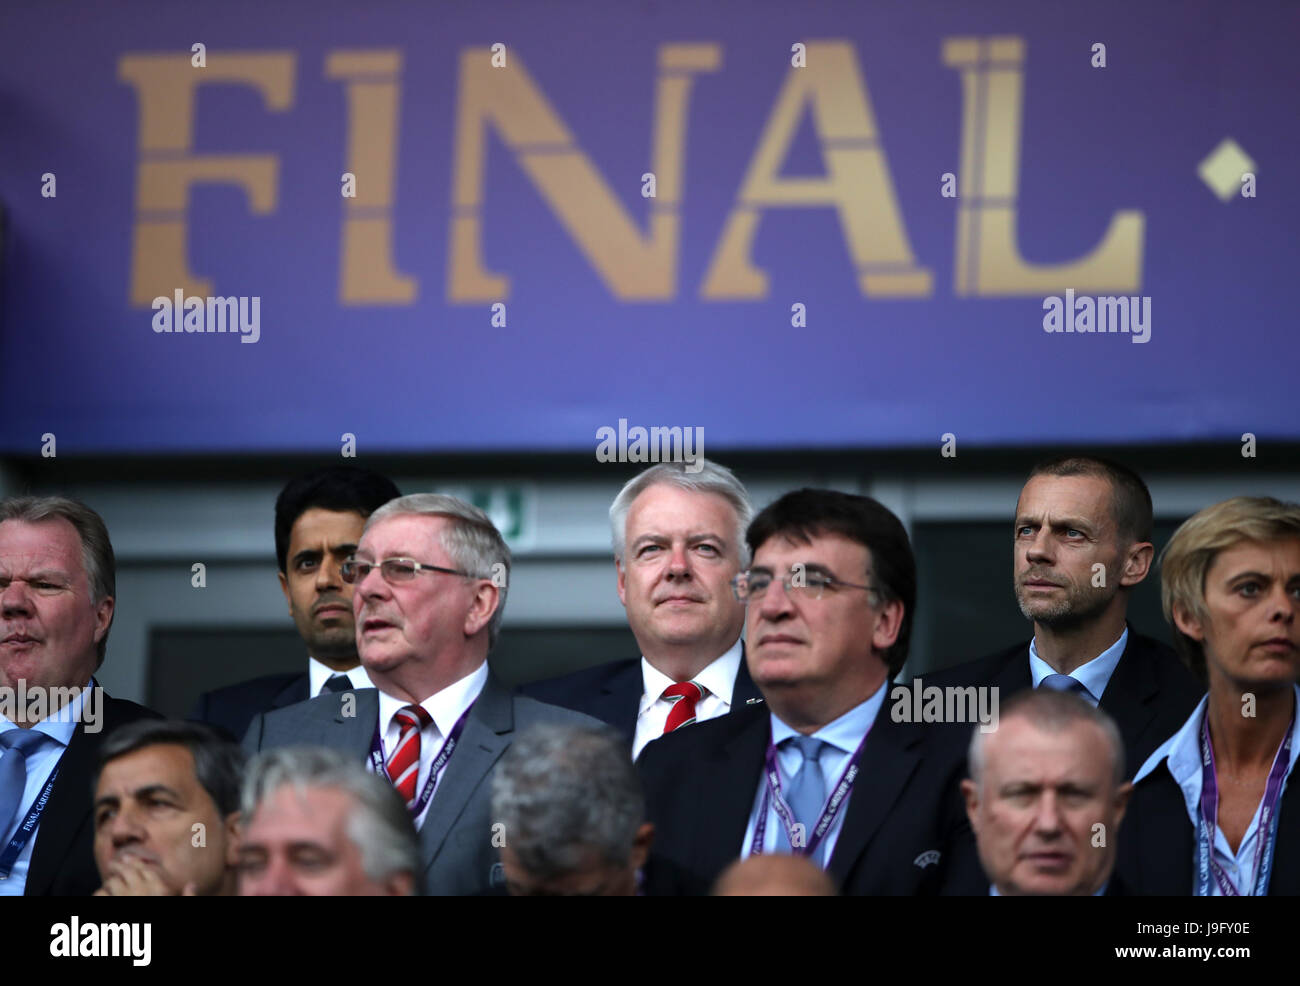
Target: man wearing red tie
{"points": [[678, 535], [430, 577]]}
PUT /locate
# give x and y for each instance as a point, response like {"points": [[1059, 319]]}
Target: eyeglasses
{"points": [[394, 570], [749, 586]]}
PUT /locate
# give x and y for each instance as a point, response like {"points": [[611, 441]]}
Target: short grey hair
{"points": [[379, 824], [564, 791], [710, 478], [218, 761], [1052, 712], [96, 549], [471, 540]]}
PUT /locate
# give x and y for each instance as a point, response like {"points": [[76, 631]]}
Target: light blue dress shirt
{"points": [[1181, 754], [844, 735], [39, 767], [1094, 676]]}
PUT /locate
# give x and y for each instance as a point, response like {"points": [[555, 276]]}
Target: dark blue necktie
{"points": [[337, 683]]}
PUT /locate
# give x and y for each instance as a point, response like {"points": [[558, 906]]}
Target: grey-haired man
{"points": [[430, 574], [679, 540]]}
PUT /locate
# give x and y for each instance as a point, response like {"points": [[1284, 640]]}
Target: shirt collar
{"points": [[846, 732], [1183, 753], [718, 677], [1094, 675], [444, 707], [318, 674], [62, 725]]}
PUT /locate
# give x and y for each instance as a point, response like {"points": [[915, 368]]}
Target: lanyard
{"points": [[1207, 824], [772, 798], [26, 829], [448, 748]]}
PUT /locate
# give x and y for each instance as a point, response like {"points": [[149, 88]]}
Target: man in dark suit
{"points": [[318, 521], [430, 577], [827, 768], [1046, 796], [678, 540], [57, 586], [1082, 543]]}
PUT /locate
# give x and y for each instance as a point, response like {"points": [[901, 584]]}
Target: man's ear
{"points": [[103, 617], [233, 832], [645, 837], [400, 884], [1137, 563], [889, 622], [1121, 802], [622, 582], [487, 597], [970, 791]]}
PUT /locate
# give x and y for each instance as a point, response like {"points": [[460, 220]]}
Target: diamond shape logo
{"points": [[1222, 170]]}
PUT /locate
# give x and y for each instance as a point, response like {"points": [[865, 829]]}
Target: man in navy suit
{"points": [[318, 522], [1082, 543], [678, 534], [827, 768]]}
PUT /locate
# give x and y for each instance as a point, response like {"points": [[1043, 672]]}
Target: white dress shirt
{"points": [[318, 674], [60, 727], [444, 707], [1181, 755], [1094, 675], [718, 678]]}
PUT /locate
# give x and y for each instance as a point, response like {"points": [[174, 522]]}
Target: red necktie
{"points": [[683, 695], [404, 764]]}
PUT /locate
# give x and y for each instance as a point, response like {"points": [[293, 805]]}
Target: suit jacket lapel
{"points": [[727, 782], [298, 690], [1127, 697], [619, 701], [891, 755], [67, 810], [488, 732], [745, 691]]}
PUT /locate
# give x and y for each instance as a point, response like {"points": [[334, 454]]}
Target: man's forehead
{"points": [[405, 532], [827, 548], [1085, 497], [51, 543], [317, 524], [1019, 746], [169, 764], [665, 505]]}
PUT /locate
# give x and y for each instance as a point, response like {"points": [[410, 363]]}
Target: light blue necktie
{"points": [[807, 792], [1065, 683], [16, 744]]}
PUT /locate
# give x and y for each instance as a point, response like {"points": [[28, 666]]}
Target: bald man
{"points": [[774, 876]]}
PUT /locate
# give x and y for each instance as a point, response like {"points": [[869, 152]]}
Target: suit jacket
{"points": [[1150, 695], [612, 692], [456, 837], [700, 788], [1157, 843], [232, 708], [63, 859]]}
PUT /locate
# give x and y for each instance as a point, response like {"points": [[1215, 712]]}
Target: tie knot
{"points": [[337, 683], [24, 741], [809, 746], [413, 717], [1065, 683], [684, 689]]}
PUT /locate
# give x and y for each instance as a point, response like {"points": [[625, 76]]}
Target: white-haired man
{"points": [[430, 577], [679, 540]]}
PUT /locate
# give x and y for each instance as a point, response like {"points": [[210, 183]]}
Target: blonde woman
{"points": [[1213, 812]]}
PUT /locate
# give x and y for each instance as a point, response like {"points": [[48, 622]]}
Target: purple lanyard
{"points": [[1208, 823], [448, 748], [772, 797], [25, 830]]}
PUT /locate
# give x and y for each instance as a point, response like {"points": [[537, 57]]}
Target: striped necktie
{"points": [[404, 764]]}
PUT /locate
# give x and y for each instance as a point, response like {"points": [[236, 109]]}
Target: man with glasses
{"points": [[430, 577], [824, 769]]}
